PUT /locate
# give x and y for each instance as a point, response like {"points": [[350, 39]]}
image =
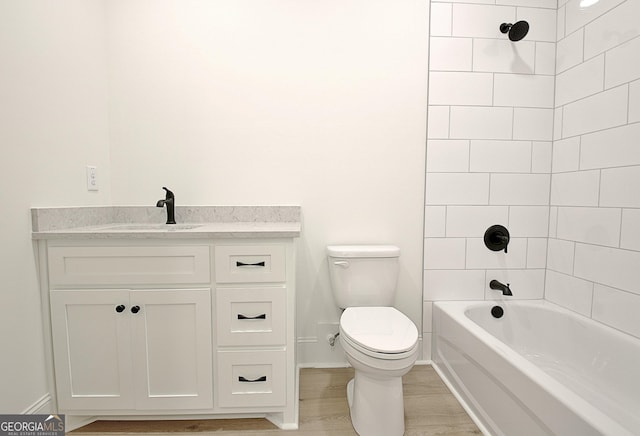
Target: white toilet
{"points": [[380, 342]]}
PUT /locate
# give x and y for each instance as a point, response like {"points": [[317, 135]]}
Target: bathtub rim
{"points": [[456, 310]]}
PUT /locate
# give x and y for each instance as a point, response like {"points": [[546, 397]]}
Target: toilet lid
{"points": [[379, 329]]}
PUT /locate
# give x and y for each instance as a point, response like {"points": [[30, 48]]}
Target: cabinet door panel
{"points": [[92, 349], [172, 346]]}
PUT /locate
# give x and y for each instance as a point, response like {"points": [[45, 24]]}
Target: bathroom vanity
{"points": [[158, 321]]}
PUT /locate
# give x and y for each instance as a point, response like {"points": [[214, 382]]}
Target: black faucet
{"points": [[494, 284], [170, 201]]}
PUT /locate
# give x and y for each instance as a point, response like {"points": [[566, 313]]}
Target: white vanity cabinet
{"points": [[138, 344], [170, 327]]}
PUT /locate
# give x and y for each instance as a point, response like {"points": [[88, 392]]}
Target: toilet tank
{"points": [[363, 275]]}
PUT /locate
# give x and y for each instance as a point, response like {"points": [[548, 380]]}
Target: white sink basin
{"points": [[151, 227]]}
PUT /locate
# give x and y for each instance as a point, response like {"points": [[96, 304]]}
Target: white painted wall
{"points": [[53, 122], [321, 104]]}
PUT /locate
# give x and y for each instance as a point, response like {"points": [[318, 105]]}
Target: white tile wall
{"points": [[481, 122], [479, 257], [481, 21], [570, 292], [548, 147], [560, 255], [444, 253], [569, 51], [616, 268], [619, 187], [543, 22], [450, 54], [634, 101], [502, 56], [581, 81], [630, 232], [593, 225], [575, 188], [500, 156], [600, 111], [536, 124], [623, 64], [435, 221], [617, 309], [440, 19], [462, 284], [523, 90], [447, 155], [549, 4], [566, 155], [459, 188], [489, 155], [529, 221], [519, 189], [599, 35], [472, 221], [545, 59], [537, 255], [455, 88], [610, 148], [438, 122], [541, 155], [577, 17]]}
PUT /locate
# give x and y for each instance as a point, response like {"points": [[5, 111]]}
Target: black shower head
{"points": [[517, 30]]}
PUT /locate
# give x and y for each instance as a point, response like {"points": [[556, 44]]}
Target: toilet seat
{"points": [[381, 332]]}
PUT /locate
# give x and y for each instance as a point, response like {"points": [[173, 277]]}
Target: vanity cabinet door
{"points": [[132, 350], [92, 349], [171, 334]]}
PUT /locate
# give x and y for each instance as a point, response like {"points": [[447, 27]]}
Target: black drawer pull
{"points": [[241, 264], [260, 379], [261, 316]]}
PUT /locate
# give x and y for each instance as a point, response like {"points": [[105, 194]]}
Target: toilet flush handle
{"points": [[342, 263]]}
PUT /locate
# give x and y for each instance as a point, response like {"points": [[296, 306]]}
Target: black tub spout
{"points": [[494, 284]]}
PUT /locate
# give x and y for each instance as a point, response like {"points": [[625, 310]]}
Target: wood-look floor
{"points": [[430, 409]]}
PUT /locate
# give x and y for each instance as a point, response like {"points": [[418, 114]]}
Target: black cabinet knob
{"points": [[120, 308], [135, 309]]}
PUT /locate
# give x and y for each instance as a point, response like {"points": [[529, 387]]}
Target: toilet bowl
{"points": [[380, 342]]}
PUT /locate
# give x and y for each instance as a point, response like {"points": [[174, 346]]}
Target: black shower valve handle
{"points": [[497, 238], [505, 240]]}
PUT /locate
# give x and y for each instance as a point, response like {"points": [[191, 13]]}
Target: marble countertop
{"points": [[141, 222]]}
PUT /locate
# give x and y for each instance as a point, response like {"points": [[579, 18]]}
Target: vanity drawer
{"points": [[250, 263], [251, 316], [129, 265], [251, 378]]}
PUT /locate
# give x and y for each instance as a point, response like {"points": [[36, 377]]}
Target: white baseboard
{"points": [[43, 406]]}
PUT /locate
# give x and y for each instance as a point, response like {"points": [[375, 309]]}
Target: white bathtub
{"points": [[540, 369]]}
